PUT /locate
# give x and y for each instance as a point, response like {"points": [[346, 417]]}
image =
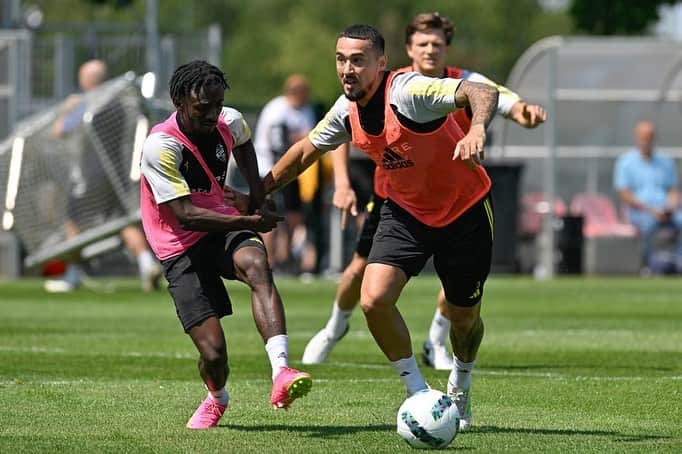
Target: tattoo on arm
{"points": [[481, 97]]}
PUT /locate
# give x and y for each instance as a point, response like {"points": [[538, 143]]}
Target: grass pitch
{"points": [[574, 365]]}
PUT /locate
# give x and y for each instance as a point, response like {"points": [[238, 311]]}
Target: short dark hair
{"points": [[430, 21], [365, 32], [193, 76]]}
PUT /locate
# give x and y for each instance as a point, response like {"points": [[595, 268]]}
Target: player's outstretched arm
{"points": [[297, 158], [483, 101]]}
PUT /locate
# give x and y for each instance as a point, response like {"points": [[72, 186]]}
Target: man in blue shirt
{"points": [[647, 184]]}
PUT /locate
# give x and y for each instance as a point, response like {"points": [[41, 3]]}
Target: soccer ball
{"points": [[428, 419]]}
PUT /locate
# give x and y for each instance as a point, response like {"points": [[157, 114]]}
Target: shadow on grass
{"points": [[599, 433], [312, 431]]}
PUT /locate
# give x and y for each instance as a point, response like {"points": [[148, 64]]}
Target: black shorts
{"points": [[369, 226], [195, 276], [461, 251]]}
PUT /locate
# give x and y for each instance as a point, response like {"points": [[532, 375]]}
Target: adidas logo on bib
{"points": [[393, 160]]}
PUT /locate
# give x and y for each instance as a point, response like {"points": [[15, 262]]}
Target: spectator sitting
{"points": [[647, 184]]}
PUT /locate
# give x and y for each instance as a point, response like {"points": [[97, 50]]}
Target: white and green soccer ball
{"points": [[428, 420]]}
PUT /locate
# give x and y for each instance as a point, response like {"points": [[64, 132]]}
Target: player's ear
{"points": [[383, 62]]}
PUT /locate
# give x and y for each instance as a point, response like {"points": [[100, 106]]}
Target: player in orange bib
{"points": [[427, 39], [437, 194]]}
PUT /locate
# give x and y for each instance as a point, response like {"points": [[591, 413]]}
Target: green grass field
{"points": [[575, 365]]}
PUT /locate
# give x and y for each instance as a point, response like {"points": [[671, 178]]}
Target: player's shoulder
{"points": [[404, 79], [237, 123], [341, 105], [410, 83], [159, 140], [230, 115], [159, 144]]}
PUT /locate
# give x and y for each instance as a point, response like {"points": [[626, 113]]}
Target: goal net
{"points": [[69, 176]]}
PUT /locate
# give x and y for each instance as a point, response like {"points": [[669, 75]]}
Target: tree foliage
{"points": [[615, 17], [266, 40]]}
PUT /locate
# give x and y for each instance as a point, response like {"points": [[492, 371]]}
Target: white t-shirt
{"points": [[276, 122], [173, 173]]}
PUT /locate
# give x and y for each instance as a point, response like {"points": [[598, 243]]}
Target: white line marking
{"points": [[32, 349], [375, 366]]}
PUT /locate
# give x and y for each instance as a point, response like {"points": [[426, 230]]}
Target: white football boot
{"points": [[320, 346], [462, 399], [437, 356]]}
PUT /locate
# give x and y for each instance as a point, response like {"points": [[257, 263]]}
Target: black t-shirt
{"points": [[214, 152], [372, 115]]}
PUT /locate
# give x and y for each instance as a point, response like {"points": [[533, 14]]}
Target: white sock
{"points": [[145, 262], [338, 321], [220, 396], [278, 352], [409, 373], [439, 330], [460, 377]]}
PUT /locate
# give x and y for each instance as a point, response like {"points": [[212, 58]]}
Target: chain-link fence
{"points": [[39, 69]]}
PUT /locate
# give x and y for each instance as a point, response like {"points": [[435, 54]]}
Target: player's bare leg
{"points": [[466, 335], [348, 291], [251, 267], [347, 297], [467, 330], [209, 339], [380, 290]]}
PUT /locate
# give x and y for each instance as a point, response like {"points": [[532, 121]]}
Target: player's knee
{"points": [[254, 268], [374, 300], [464, 319], [356, 268], [214, 356]]}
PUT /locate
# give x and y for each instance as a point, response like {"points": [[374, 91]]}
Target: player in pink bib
{"points": [[201, 238]]}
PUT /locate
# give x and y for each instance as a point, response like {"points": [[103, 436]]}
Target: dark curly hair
{"points": [[192, 77], [365, 32]]}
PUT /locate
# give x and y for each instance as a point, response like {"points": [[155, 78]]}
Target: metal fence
{"points": [[39, 69], [84, 179]]}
